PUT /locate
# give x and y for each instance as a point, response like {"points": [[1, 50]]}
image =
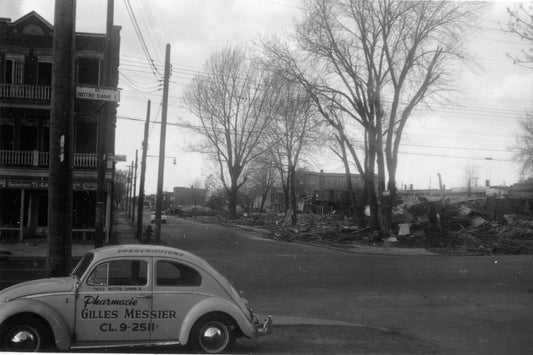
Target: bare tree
{"points": [[521, 24], [233, 101], [524, 144], [341, 148], [262, 176], [293, 132], [376, 61], [471, 176]]}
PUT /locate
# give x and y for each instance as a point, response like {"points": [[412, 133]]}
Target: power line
{"points": [[154, 34], [455, 157], [181, 125], [141, 39], [139, 87]]}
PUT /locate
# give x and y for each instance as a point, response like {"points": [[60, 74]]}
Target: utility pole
{"points": [[134, 185], [140, 204], [441, 187], [130, 183], [102, 137], [60, 194], [162, 142]]}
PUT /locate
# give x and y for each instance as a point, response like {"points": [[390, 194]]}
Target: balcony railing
{"points": [[25, 92], [36, 158]]}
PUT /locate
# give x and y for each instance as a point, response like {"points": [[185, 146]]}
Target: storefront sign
{"points": [[43, 185]]}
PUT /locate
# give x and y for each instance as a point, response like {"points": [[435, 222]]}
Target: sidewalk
{"points": [[123, 233]]}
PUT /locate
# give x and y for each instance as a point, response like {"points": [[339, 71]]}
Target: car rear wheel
{"points": [[25, 334], [212, 334]]}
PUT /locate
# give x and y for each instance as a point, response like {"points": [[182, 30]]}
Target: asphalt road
{"points": [[407, 304], [330, 301]]}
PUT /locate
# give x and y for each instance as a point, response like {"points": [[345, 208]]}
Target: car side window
{"points": [[170, 273], [119, 273]]}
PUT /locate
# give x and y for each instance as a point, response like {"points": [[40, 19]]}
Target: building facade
{"points": [[189, 196], [330, 190], [320, 192], [25, 102]]}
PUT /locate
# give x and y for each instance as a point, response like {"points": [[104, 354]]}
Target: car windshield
{"points": [[82, 265]]}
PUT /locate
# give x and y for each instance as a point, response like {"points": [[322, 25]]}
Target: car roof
{"points": [[140, 250]]}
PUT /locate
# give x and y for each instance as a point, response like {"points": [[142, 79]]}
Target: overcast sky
{"points": [[480, 123]]}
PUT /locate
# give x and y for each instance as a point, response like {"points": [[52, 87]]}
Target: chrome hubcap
{"points": [[214, 337], [22, 339]]}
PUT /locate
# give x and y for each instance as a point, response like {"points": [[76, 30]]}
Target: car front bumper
{"points": [[264, 327]]}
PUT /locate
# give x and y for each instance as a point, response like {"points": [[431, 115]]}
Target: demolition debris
{"points": [[476, 226]]}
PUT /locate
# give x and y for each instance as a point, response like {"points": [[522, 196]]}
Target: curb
{"points": [[356, 249], [289, 321]]}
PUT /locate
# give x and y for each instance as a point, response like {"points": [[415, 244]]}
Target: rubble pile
{"points": [[467, 226], [475, 226], [325, 229], [191, 211]]}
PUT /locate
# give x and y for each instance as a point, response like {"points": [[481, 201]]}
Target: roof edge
{"points": [[30, 14]]}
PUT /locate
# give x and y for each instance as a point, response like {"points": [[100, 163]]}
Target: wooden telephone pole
{"points": [[140, 204], [103, 129], [60, 193], [162, 142], [134, 185]]}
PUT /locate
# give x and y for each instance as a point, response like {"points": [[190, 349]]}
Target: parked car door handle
{"points": [[144, 296]]}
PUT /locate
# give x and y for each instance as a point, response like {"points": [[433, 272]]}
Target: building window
{"points": [[6, 137], [86, 137], [44, 74], [46, 139], [28, 136], [89, 71], [14, 69]]}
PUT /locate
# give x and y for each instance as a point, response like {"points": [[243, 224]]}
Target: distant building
{"points": [[456, 192], [319, 192], [321, 182], [189, 196], [522, 190], [167, 201]]}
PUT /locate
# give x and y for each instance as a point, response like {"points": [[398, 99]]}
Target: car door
{"points": [[114, 302], [177, 287]]}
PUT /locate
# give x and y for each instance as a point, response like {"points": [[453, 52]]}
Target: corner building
{"points": [[25, 97]]}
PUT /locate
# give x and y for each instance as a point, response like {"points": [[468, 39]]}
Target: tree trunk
{"points": [[349, 185], [387, 206], [292, 194], [381, 198], [370, 180], [264, 196], [232, 199], [286, 199]]}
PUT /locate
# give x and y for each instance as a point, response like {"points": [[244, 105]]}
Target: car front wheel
{"points": [[212, 334], [25, 334]]}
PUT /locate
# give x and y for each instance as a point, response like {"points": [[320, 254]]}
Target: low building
{"points": [[189, 196], [319, 192]]}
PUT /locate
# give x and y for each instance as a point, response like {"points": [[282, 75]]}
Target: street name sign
{"points": [[94, 93], [120, 157]]}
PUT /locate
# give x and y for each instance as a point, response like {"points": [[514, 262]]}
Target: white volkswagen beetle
{"points": [[128, 295]]}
